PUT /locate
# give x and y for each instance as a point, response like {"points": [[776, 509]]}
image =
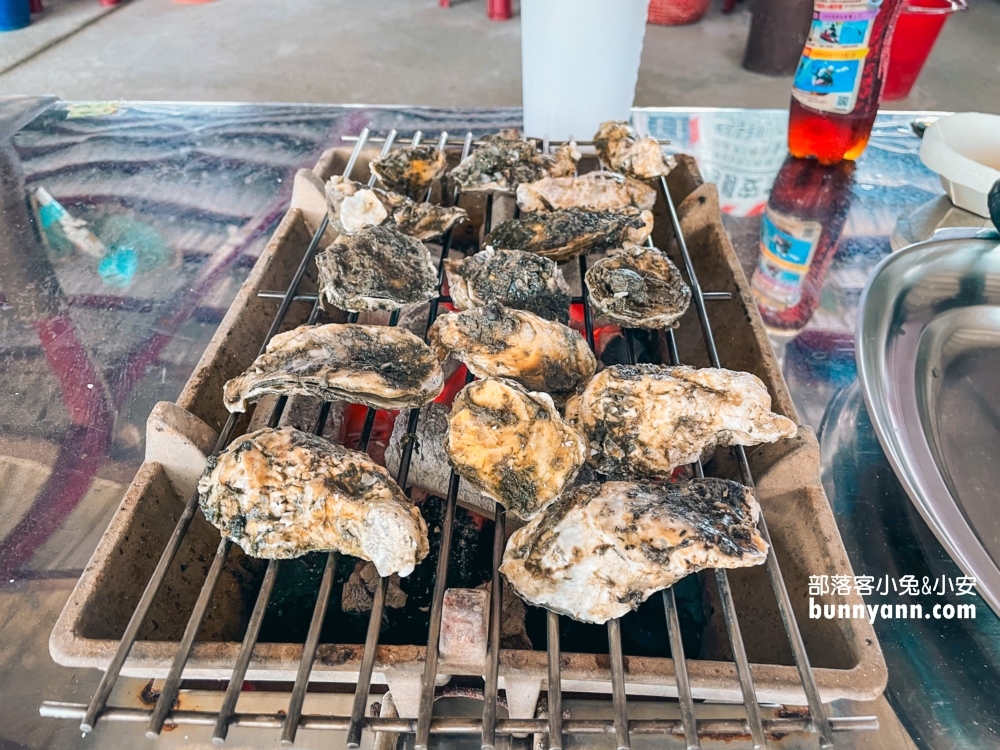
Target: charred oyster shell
{"points": [[503, 161], [379, 366], [601, 550], [540, 354], [566, 233], [376, 269], [514, 278], [410, 171]]}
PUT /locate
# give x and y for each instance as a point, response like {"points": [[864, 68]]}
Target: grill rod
{"points": [[168, 694], [816, 708], [301, 684], [429, 676], [356, 726], [234, 687], [733, 631], [108, 679], [454, 725], [491, 685], [479, 141], [172, 684], [274, 294], [684, 697]]}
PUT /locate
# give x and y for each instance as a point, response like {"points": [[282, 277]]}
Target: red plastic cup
{"points": [[916, 31]]}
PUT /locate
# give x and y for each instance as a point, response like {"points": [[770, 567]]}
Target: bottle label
{"points": [[787, 246], [829, 73]]}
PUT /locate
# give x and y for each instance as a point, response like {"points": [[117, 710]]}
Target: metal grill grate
{"points": [[754, 727]]}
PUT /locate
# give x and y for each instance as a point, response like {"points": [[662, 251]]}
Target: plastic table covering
{"points": [[184, 196]]}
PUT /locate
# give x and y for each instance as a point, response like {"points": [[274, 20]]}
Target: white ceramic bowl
{"points": [[964, 150]]}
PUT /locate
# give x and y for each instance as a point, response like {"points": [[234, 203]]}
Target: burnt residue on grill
{"points": [[149, 696]]}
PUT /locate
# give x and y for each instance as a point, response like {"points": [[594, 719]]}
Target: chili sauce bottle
{"points": [[838, 81]]}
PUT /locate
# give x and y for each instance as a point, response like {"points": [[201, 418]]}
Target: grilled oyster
{"points": [[410, 171], [602, 549], [282, 493], [638, 287], [541, 355], [426, 220], [382, 367], [512, 445], [646, 420], [504, 161], [598, 191], [566, 233], [353, 207], [516, 279], [622, 150], [376, 269]]}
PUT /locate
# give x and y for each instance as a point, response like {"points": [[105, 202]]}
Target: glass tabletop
{"points": [[126, 230]]}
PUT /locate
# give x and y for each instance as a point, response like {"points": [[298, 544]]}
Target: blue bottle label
{"points": [[828, 76], [787, 247]]}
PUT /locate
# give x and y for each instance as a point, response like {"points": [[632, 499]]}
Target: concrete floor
{"points": [[410, 51]]}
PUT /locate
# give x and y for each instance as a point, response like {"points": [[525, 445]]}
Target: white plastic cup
{"points": [[579, 64]]}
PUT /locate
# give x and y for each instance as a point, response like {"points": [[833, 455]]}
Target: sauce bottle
{"points": [[838, 81], [798, 238]]}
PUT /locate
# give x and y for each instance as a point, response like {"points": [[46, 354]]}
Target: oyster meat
{"points": [[504, 161], [646, 420], [540, 354], [598, 191], [516, 279], [638, 287], [602, 549], [622, 150], [376, 269], [410, 171], [282, 493], [354, 206], [512, 445], [379, 366], [568, 232]]}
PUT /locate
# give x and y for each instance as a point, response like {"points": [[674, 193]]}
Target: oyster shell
{"points": [[638, 287], [597, 191], [379, 366], [282, 493], [622, 150], [354, 206], [565, 233], [514, 278], [376, 268], [540, 354], [410, 171], [512, 445], [601, 550], [504, 161]]}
